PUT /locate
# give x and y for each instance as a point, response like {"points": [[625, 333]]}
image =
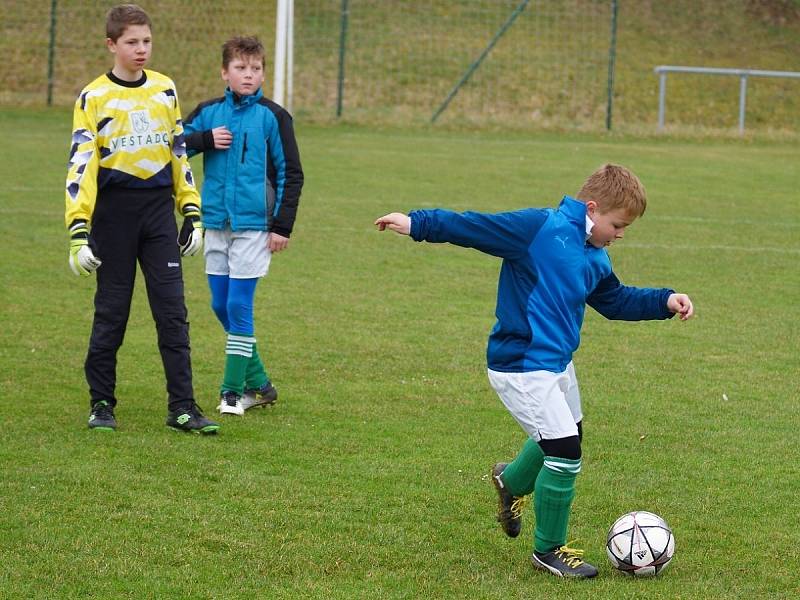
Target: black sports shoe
{"points": [[564, 562], [266, 395], [102, 416], [191, 420], [509, 512]]}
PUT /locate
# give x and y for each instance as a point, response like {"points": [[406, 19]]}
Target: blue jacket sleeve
{"points": [[507, 234], [620, 302]]}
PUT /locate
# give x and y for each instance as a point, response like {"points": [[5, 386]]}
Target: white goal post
{"points": [[284, 54]]}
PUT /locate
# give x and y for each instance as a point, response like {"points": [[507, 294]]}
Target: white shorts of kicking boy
{"points": [[238, 254], [546, 405]]}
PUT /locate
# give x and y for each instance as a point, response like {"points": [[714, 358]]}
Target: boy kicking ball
{"points": [[554, 263]]}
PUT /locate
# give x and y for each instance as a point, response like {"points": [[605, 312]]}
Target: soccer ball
{"points": [[640, 543]]}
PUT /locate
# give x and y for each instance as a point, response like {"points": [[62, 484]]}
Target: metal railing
{"points": [[743, 75]]}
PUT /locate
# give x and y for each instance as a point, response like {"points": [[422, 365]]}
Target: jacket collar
{"points": [[238, 100], [574, 210]]}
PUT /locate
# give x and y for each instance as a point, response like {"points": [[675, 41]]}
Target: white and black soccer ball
{"points": [[640, 543]]}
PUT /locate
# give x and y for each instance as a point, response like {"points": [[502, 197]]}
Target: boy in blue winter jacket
{"points": [[554, 263], [251, 189]]}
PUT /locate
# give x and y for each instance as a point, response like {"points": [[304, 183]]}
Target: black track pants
{"points": [[130, 225]]}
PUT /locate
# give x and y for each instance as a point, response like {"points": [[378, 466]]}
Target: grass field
{"points": [[369, 478]]}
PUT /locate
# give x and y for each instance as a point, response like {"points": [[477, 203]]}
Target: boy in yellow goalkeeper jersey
{"points": [[127, 172]]}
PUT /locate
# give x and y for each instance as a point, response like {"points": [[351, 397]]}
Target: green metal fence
{"points": [[475, 61], [506, 63]]}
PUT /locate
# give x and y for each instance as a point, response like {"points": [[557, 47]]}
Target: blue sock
{"points": [[218, 284]]}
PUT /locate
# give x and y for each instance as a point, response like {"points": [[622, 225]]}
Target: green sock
{"points": [[256, 376], [238, 352], [519, 476], [552, 500]]}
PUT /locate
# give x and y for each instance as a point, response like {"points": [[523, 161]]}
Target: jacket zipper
{"points": [[244, 147]]}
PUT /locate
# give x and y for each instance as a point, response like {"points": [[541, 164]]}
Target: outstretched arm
{"points": [[682, 305], [507, 234], [395, 221]]}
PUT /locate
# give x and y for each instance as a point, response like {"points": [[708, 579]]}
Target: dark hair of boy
{"points": [[127, 173], [122, 16], [247, 45]]}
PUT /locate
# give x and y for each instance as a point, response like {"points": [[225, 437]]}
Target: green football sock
{"points": [[256, 375], [520, 475], [552, 501], [238, 352]]}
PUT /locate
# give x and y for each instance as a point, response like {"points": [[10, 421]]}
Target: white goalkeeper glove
{"points": [[190, 237], [82, 260]]}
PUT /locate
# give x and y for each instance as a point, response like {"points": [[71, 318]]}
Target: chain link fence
{"points": [[401, 58]]}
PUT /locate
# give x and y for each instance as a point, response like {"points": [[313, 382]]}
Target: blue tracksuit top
{"points": [[255, 184], [549, 274]]}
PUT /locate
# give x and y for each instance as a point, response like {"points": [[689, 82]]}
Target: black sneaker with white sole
{"points": [[266, 395], [564, 562], [230, 403], [191, 420], [102, 417], [509, 510]]}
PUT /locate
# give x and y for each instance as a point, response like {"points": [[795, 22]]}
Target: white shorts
{"points": [[238, 254], [546, 405]]}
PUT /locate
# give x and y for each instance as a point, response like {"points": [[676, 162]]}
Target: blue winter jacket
{"points": [[549, 274], [256, 183]]}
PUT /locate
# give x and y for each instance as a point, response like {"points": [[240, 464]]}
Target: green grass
{"points": [[368, 479]]}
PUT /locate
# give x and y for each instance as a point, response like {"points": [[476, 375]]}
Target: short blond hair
{"points": [[614, 186], [120, 17]]}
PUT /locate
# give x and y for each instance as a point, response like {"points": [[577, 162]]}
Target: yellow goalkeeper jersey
{"points": [[129, 135]]}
